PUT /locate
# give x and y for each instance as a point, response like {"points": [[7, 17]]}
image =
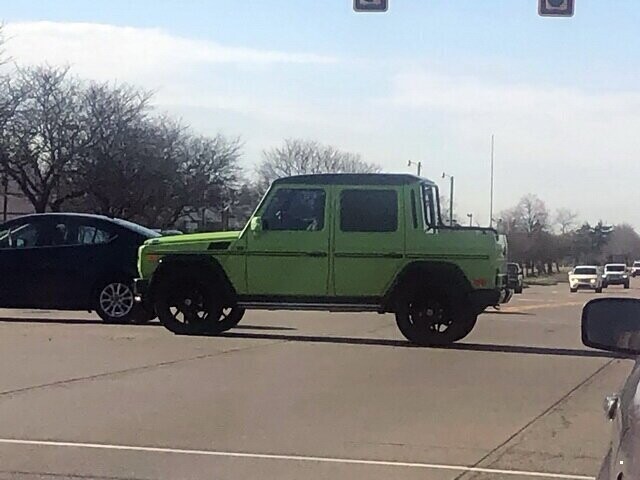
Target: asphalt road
{"points": [[306, 395]]}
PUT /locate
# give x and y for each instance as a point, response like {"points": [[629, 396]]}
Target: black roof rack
{"points": [[353, 179]]}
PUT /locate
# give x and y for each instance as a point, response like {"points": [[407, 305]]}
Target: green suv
{"points": [[334, 242]]}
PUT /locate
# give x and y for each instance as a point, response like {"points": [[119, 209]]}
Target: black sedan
{"points": [[70, 261]]}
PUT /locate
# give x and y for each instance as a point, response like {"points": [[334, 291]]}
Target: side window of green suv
{"points": [[295, 209], [369, 211]]}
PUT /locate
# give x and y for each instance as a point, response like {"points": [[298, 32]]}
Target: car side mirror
{"points": [[256, 224], [612, 324]]}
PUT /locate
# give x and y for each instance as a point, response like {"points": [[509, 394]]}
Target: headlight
{"points": [[593, 280], [624, 276]]}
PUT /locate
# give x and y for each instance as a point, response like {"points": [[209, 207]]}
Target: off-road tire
{"points": [[433, 319], [192, 305]]}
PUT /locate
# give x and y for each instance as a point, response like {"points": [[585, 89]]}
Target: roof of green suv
{"points": [[353, 179]]}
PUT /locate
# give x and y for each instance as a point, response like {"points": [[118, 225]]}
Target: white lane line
{"points": [[296, 458]]}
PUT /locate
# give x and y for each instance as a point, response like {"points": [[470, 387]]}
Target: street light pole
{"points": [[470, 215], [450, 196], [491, 200], [417, 164]]}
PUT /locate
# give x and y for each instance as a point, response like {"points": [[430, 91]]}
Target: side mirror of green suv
{"points": [[256, 224]]}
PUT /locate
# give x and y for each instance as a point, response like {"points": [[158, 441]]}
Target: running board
{"points": [[331, 307]]}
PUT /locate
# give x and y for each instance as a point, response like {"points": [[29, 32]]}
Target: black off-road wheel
{"points": [[432, 320], [190, 306]]}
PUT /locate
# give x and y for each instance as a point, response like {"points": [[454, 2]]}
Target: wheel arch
{"points": [[422, 274], [203, 266]]}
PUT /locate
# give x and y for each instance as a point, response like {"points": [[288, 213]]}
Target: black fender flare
{"points": [[424, 274], [200, 265]]}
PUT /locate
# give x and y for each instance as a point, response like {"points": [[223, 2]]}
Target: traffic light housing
{"points": [[370, 5], [556, 8]]}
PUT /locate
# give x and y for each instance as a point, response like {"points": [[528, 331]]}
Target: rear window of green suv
{"points": [[369, 211]]}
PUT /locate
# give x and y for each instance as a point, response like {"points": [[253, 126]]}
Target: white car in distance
{"points": [[635, 269], [615, 274], [585, 277]]}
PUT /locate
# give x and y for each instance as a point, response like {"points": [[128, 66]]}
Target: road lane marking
{"points": [[514, 309], [296, 458]]}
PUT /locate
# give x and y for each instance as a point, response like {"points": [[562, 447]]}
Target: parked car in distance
{"points": [[615, 274], [585, 277], [613, 324], [334, 242], [66, 261], [515, 277], [635, 269]]}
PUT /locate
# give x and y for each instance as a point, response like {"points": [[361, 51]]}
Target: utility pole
{"points": [[470, 215], [444, 175], [491, 200], [417, 164]]}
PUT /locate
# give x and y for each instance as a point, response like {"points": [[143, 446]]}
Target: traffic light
{"points": [[370, 5], [556, 8]]}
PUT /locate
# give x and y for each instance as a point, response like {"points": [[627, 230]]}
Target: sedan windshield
{"points": [[144, 231], [585, 271]]}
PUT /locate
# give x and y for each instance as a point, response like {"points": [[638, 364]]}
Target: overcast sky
{"points": [[430, 80]]}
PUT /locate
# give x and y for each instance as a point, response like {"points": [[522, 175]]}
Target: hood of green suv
{"points": [[194, 238]]}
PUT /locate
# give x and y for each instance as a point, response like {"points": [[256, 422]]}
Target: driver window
{"points": [[295, 209]]}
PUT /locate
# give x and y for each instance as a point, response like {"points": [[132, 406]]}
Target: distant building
{"points": [[12, 202]]}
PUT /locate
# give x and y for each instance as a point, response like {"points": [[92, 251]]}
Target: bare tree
{"points": [[44, 137], [152, 170], [623, 243], [114, 119], [531, 214], [565, 219], [299, 157]]}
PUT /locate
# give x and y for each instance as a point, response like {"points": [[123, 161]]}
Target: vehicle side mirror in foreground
{"points": [[256, 224], [612, 324]]}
